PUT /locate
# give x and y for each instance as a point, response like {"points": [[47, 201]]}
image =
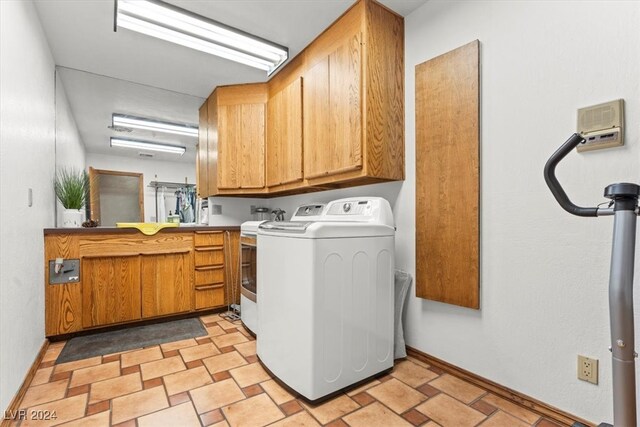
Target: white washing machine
{"points": [[326, 295], [248, 282]]}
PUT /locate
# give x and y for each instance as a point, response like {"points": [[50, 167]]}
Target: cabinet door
{"points": [[284, 135], [110, 290], [332, 112], [202, 156], [166, 283], [241, 141]]}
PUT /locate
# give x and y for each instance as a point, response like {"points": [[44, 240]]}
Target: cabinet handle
{"points": [[209, 232], [209, 248], [209, 287], [335, 172], [210, 267]]}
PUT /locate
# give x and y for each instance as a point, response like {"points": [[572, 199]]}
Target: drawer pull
{"points": [[209, 248], [210, 267], [211, 286]]}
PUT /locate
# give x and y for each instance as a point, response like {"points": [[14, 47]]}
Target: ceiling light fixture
{"points": [[147, 145], [167, 22], [121, 120]]}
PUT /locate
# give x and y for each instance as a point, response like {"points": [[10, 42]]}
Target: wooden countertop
{"points": [[112, 230]]}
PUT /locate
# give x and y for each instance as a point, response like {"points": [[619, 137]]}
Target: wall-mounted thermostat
{"points": [[602, 125]]}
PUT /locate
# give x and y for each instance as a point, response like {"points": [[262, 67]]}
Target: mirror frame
{"points": [[94, 193]]}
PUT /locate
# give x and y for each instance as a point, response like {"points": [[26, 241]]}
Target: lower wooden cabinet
{"points": [[128, 277], [110, 290], [166, 284]]}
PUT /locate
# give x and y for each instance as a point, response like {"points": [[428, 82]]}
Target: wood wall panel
{"points": [[447, 177]]}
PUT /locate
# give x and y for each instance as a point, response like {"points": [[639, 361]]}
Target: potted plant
{"points": [[71, 187]]}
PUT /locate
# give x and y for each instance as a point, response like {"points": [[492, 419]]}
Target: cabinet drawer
{"points": [[208, 238], [209, 256], [209, 276], [209, 296]]}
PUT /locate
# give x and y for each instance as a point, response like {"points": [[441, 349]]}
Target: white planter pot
{"points": [[72, 218]]}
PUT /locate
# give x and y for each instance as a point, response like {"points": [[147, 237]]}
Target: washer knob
{"points": [[346, 207]]}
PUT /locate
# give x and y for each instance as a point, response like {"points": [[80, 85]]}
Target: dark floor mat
{"points": [[127, 339]]}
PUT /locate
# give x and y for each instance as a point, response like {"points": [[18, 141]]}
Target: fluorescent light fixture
{"points": [[154, 125], [147, 145], [167, 22]]}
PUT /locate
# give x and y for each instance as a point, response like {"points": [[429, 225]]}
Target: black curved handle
{"points": [[554, 185]]}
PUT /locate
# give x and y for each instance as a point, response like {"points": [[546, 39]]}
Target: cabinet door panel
{"points": [[315, 116], [345, 146], [166, 284], [209, 296], [284, 135], [229, 145], [252, 139], [110, 290]]}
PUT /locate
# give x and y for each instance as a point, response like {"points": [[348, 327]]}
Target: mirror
{"points": [[115, 196], [85, 103]]}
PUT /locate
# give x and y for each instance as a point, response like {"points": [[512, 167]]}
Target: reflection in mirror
{"points": [[83, 136], [116, 196]]}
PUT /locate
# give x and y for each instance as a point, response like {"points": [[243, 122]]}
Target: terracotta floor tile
{"points": [[334, 408], [432, 424], [78, 364], [244, 331], [155, 382], [182, 415], [214, 331], [60, 376], [397, 395], [194, 364], [94, 374], [412, 374], [160, 368], [139, 357], [363, 399], [225, 324], [130, 370], [42, 376], [53, 352], [418, 362], [427, 390], [83, 389], [199, 352], [502, 419], [130, 423], [511, 408], [112, 358], [246, 348], [483, 407], [211, 417], [177, 345], [455, 387], [44, 393], [278, 393], [252, 390], [337, 423], [220, 424], [363, 387], [203, 340], [249, 374], [224, 362], [447, 411], [375, 414], [229, 339], [186, 380], [46, 364], [216, 395], [256, 411], [546, 423], [210, 318], [415, 417], [68, 409], [105, 405], [221, 376], [301, 419], [179, 398], [98, 420], [171, 353], [137, 404], [291, 407]]}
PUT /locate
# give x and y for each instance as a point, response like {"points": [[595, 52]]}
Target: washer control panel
{"points": [[350, 207], [309, 210]]}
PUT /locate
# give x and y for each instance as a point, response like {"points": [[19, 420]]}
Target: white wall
{"points": [[70, 151], [165, 171], [27, 127], [544, 273]]}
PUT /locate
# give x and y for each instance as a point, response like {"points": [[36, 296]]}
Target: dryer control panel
{"points": [[360, 209]]}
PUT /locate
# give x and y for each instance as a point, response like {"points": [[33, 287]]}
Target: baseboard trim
{"points": [[516, 397], [17, 399]]}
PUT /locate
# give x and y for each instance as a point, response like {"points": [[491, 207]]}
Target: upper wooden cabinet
{"points": [[335, 114], [284, 135], [202, 154], [236, 124]]}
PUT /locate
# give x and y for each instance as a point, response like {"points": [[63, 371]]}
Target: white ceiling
{"points": [[81, 37]]}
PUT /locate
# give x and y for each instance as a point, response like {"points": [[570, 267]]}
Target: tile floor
{"points": [[217, 380]]}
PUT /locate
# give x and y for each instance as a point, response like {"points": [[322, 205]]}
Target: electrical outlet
{"points": [[588, 369]]}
